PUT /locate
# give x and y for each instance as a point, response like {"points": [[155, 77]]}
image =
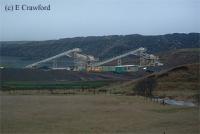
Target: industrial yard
{"points": [[84, 62]]}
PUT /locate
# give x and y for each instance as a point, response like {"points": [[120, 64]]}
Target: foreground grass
{"points": [[91, 114]]}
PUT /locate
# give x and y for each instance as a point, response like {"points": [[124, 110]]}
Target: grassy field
{"points": [[93, 114], [53, 85]]}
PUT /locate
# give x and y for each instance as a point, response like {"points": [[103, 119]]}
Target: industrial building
{"points": [[126, 68], [84, 62]]}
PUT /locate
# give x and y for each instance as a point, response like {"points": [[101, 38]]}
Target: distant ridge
{"points": [[100, 46]]}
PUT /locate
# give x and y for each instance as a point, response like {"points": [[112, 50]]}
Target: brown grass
{"points": [[181, 82], [93, 114]]}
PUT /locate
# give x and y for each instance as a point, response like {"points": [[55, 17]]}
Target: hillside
{"points": [[181, 82], [180, 57], [102, 46]]}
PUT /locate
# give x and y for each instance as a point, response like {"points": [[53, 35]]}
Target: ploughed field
{"points": [[109, 114], [39, 75]]}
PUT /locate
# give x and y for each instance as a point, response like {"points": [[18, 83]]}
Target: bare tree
{"points": [[145, 87]]}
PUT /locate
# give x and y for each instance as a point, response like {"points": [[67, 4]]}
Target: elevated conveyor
{"points": [[66, 53], [134, 52]]}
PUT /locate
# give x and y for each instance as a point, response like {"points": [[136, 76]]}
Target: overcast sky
{"points": [[71, 18]]}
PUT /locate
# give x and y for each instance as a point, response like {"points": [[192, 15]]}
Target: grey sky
{"points": [[71, 18]]}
